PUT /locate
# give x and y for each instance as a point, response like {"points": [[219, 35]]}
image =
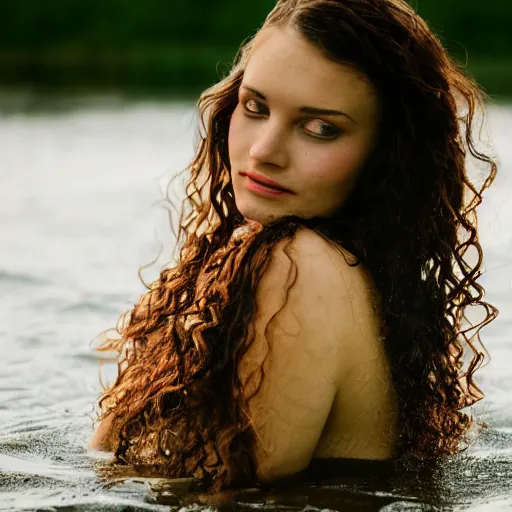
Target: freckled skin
{"points": [[281, 143]]}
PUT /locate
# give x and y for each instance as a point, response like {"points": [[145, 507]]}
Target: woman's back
{"points": [[326, 388]]}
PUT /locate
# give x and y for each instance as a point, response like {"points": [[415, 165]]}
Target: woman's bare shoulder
{"points": [[306, 307], [320, 265]]}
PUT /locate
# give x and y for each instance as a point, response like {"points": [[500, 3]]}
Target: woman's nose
{"points": [[269, 145]]}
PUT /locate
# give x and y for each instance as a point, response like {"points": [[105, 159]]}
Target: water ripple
{"points": [[16, 278]]}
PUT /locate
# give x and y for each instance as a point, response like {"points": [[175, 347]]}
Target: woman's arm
{"points": [[100, 438]]}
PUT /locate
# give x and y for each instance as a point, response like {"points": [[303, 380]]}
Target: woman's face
{"points": [[302, 121]]}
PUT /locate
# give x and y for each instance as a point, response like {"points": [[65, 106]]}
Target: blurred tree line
{"points": [[182, 46]]}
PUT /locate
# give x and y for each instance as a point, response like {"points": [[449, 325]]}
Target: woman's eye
{"points": [[321, 129], [253, 107]]}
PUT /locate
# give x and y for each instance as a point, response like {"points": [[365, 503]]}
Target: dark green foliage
{"points": [[178, 45], [482, 28], [115, 23]]}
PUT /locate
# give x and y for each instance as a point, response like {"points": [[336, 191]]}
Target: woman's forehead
{"points": [[286, 68]]}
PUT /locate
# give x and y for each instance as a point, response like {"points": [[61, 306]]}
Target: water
{"points": [[77, 219]]}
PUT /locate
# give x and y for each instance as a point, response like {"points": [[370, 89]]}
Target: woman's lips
{"points": [[265, 182], [259, 188]]}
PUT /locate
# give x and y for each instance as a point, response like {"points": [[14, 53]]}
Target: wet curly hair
{"points": [[178, 403]]}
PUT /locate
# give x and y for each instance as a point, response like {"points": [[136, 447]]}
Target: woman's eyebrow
{"points": [[305, 110]]}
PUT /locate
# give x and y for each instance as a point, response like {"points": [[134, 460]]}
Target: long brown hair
{"points": [[178, 402]]}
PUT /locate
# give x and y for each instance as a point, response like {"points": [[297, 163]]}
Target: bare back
{"points": [[327, 388]]}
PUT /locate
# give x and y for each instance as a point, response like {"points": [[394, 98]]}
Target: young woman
{"points": [[317, 308]]}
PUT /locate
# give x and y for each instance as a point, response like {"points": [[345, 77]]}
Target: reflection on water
{"points": [[76, 222]]}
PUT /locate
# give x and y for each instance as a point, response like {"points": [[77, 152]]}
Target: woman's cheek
{"points": [[336, 164], [233, 130], [323, 165], [237, 134]]}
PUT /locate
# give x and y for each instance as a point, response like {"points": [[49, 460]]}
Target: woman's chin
{"points": [[260, 215]]}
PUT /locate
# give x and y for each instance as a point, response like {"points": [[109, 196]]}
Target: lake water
{"points": [[78, 216]]}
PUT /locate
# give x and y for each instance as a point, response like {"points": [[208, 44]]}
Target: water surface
{"points": [[77, 219]]}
